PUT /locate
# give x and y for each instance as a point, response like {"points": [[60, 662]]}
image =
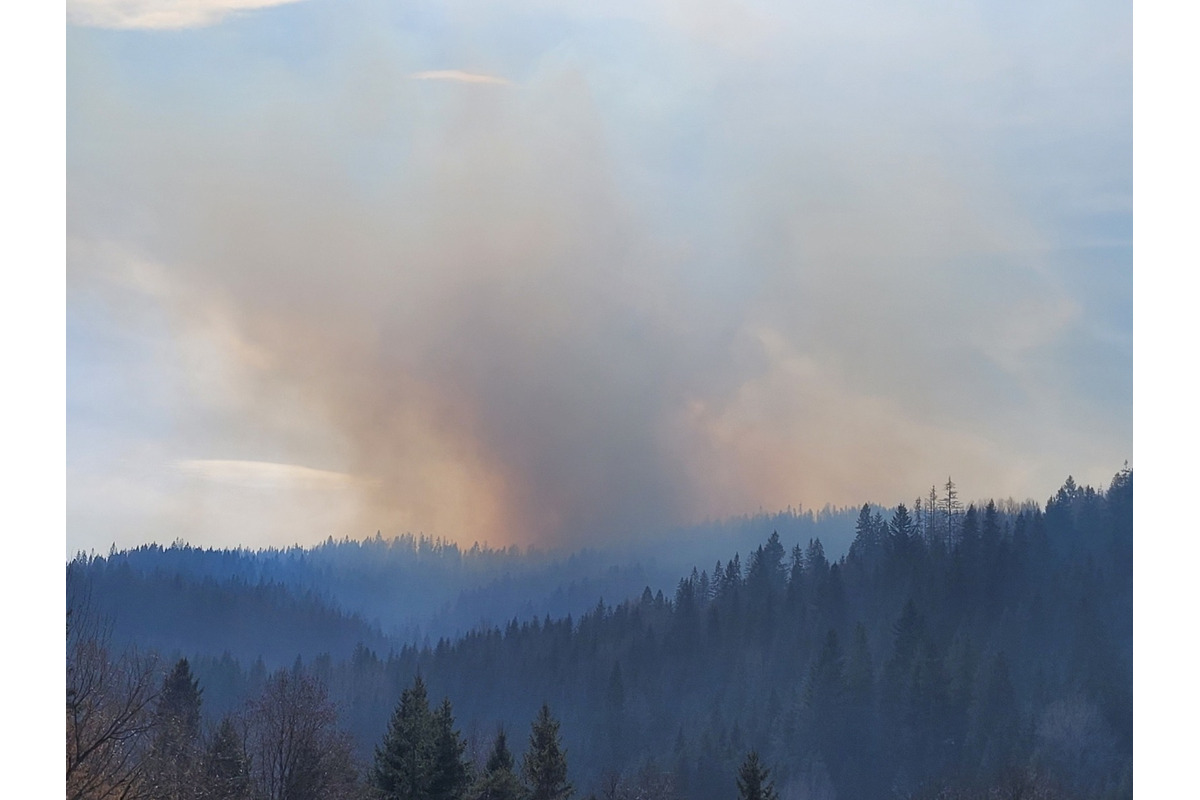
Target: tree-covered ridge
{"points": [[952, 650], [388, 591], [944, 647]]}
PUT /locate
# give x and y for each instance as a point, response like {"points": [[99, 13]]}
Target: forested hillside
{"points": [[953, 651], [279, 604]]}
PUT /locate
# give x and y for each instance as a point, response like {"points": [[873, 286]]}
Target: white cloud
{"points": [[261, 474], [159, 14], [459, 76]]}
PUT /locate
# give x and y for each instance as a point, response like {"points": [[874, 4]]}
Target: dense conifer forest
{"points": [[280, 603], [955, 652]]}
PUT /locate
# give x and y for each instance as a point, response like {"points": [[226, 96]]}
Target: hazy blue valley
{"points": [[983, 651]]}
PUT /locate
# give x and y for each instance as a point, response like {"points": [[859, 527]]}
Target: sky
{"points": [[529, 273]]}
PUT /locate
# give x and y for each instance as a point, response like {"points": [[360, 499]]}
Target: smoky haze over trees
{"points": [[334, 596], [956, 650], [572, 281]]}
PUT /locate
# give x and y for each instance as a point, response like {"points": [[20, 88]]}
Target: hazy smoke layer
{"points": [[601, 284]]}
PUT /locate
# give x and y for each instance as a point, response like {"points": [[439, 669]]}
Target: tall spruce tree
{"points": [[404, 761], [864, 546], [902, 532], [753, 780], [545, 766], [499, 780], [766, 565], [825, 700], [449, 778], [861, 739], [815, 561], [175, 753]]}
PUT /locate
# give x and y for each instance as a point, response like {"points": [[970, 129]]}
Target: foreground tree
{"points": [[109, 703], [404, 760], [225, 769], [754, 780], [296, 751], [545, 764], [176, 750], [449, 778], [648, 783], [499, 780]]}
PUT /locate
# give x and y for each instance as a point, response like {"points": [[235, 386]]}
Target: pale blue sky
{"points": [[678, 260]]}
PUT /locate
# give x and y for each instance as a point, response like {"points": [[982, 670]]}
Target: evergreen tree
{"points": [[969, 532], [177, 715], [545, 764], [860, 672], [404, 762], [990, 535], [864, 545], [962, 668], [824, 697], [796, 568], [176, 750], [860, 742], [500, 759], [499, 780], [225, 774], [827, 679], [814, 558], [896, 685], [754, 780], [997, 728], [927, 723], [902, 532], [766, 565], [614, 715], [733, 573], [909, 632], [994, 555], [449, 778]]}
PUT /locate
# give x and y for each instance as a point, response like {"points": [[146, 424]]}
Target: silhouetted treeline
{"points": [[278, 604], [953, 652]]}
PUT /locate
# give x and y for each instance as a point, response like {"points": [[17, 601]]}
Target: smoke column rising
{"points": [[604, 290]]}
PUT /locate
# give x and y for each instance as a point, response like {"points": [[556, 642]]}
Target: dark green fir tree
{"points": [[545, 765], [499, 779], [448, 779], [754, 781], [404, 761], [175, 753]]}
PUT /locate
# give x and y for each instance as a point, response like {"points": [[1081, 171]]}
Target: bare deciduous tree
{"points": [[296, 751], [109, 705]]}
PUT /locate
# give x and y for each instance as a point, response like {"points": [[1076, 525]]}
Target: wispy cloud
{"points": [[261, 474], [159, 14], [459, 76]]}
